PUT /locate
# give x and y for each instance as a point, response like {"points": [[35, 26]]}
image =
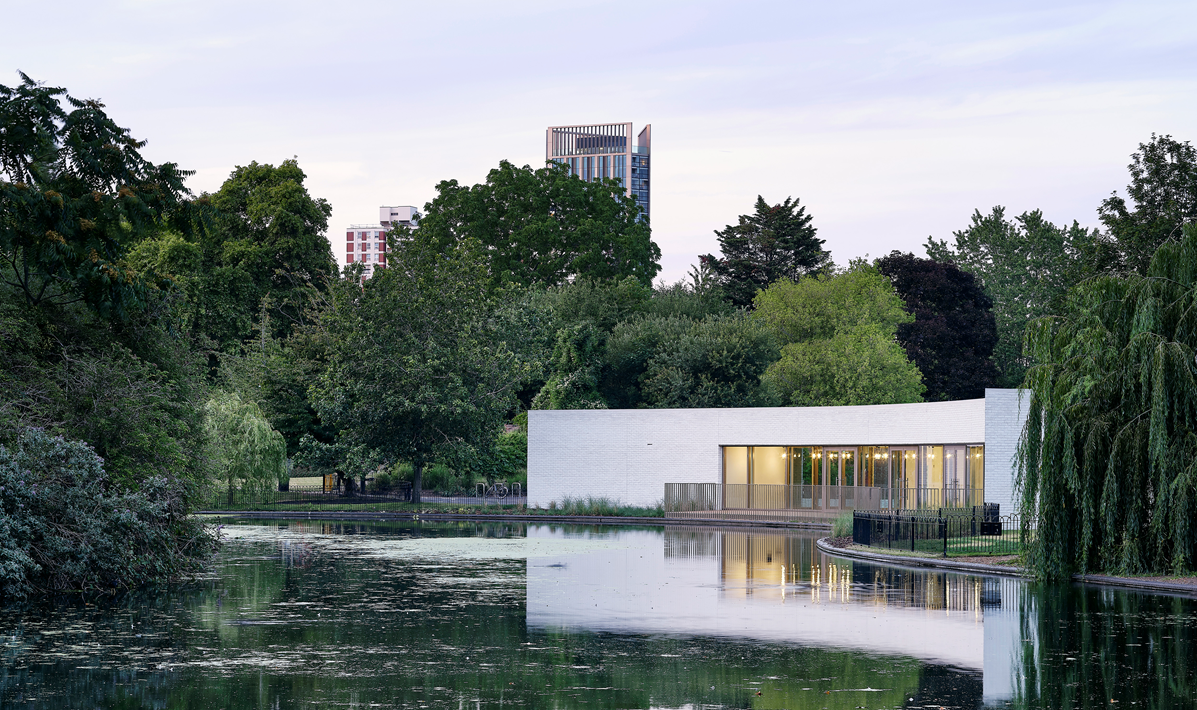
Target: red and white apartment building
{"points": [[366, 243]]}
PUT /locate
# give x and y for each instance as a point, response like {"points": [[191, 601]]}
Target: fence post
{"points": [[911, 534], [943, 530]]}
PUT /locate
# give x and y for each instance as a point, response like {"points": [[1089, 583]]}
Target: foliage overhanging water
{"points": [[314, 614]]}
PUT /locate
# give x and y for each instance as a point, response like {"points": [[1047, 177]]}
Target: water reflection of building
{"points": [[778, 588], [764, 562]]}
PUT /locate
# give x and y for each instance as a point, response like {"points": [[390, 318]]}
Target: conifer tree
{"points": [[773, 243]]}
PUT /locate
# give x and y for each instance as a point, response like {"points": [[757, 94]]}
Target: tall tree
{"points": [[249, 454], [251, 281], [678, 361], [953, 334], [544, 226], [837, 335], [775, 242], [75, 194], [1163, 190], [416, 371], [1107, 460], [265, 254], [102, 452], [1026, 265], [88, 345]]}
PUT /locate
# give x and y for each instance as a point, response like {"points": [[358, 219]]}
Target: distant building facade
{"points": [[605, 151], [366, 243]]}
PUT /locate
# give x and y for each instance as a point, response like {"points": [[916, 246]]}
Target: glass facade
{"points": [[853, 477], [605, 152]]}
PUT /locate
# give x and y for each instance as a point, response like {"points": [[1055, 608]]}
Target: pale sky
{"points": [[890, 121]]}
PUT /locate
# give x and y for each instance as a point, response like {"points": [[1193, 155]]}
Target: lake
{"points": [[309, 614]]}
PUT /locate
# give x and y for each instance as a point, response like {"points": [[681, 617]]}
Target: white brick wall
{"points": [[630, 454], [1005, 416]]}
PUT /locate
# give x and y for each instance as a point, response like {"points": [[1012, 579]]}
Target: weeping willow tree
{"points": [[1108, 460], [249, 453]]}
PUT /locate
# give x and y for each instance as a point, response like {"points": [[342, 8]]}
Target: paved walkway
{"points": [[474, 500]]}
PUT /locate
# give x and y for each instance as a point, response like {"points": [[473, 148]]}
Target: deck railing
{"points": [[692, 497]]}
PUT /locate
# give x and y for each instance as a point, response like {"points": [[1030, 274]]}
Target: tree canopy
{"points": [[1108, 460], [249, 454], [417, 371], [1163, 195], [544, 227], [624, 345], [263, 254], [676, 361], [75, 194], [952, 336], [836, 332], [774, 242], [102, 448], [1026, 266]]}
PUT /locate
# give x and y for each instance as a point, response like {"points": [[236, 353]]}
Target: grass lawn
{"points": [[1004, 545]]}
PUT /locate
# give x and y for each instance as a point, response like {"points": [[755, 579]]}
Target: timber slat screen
{"points": [[979, 530]]}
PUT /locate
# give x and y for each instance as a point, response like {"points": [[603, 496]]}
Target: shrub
{"points": [[842, 526], [601, 505], [384, 481], [65, 527], [443, 480]]}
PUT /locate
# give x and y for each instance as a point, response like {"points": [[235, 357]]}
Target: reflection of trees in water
{"points": [[402, 634], [1083, 646], [267, 629], [390, 632]]}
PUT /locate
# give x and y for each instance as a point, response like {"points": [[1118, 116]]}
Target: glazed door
{"points": [[955, 476], [903, 467], [841, 477]]}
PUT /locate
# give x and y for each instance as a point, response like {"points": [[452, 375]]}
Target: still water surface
{"points": [[347, 615]]}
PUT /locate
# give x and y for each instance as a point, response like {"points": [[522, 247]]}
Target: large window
{"points": [[735, 464], [976, 467], [768, 465], [865, 477]]}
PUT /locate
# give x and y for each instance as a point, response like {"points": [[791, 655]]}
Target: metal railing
{"points": [[395, 498], [691, 497], [935, 498], [499, 489], [979, 530]]}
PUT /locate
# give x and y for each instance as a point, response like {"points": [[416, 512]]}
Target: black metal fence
{"points": [[318, 497], [979, 530]]}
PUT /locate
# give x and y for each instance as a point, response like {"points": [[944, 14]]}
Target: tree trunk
{"points": [[363, 488], [417, 470]]}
